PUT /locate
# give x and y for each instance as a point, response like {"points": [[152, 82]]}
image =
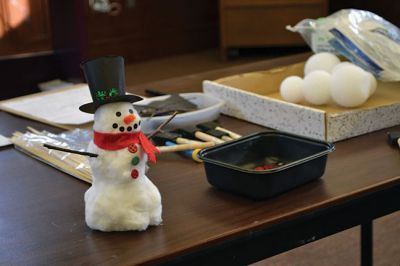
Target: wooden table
{"points": [[42, 209]]}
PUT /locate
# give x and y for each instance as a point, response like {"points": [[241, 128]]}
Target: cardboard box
{"points": [[255, 97]]}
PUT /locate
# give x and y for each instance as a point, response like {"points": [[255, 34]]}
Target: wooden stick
{"points": [[71, 151], [207, 137], [180, 140], [71, 164], [184, 147], [162, 125], [37, 132], [226, 138], [231, 134]]}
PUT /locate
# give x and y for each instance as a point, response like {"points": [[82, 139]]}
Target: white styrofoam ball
{"points": [[350, 86], [372, 84], [291, 89], [316, 87], [340, 65], [321, 61]]}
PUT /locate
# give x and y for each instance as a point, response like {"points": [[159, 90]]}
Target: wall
{"points": [[153, 28], [56, 35], [387, 9], [24, 27]]}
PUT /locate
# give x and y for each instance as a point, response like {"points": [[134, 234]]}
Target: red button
{"points": [[134, 173], [132, 148]]}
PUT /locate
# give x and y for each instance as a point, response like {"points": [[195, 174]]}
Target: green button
{"points": [[135, 160]]}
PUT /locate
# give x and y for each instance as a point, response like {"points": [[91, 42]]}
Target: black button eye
{"points": [[130, 111], [118, 114], [115, 125]]}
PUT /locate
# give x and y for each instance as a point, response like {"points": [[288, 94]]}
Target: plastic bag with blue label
{"points": [[363, 37]]}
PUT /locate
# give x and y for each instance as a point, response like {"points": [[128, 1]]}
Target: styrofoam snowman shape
{"points": [[121, 196]]}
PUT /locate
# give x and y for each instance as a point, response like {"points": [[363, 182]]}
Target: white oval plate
{"points": [[208, 110]]}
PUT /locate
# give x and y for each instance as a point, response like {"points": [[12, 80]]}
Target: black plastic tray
{"points": [[231, 166]]}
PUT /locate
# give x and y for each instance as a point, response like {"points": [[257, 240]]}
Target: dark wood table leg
{"points": [[366, 244]]}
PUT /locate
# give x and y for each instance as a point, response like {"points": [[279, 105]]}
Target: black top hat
{"points": [[106, 79]]}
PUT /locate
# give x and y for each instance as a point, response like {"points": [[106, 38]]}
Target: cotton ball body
{"points": [[317, 87], [350, 86], [122, 197], [321, 61], [291, 89]]}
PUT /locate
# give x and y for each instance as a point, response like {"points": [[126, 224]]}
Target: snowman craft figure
{"points": [[121, 197]]}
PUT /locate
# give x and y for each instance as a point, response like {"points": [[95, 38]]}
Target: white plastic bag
{"points": [[363, 37]]}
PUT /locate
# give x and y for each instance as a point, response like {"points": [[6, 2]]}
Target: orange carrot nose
{"points": [[129, 119]]}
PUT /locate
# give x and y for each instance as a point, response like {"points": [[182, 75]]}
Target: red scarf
{"points": [[117, 141]]}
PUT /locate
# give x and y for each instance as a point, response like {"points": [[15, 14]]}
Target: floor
{"points": [[343, 249], [340, 249]]}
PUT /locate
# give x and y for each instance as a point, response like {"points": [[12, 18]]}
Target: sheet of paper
{"points": [[4, 141], [61, 107]]}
